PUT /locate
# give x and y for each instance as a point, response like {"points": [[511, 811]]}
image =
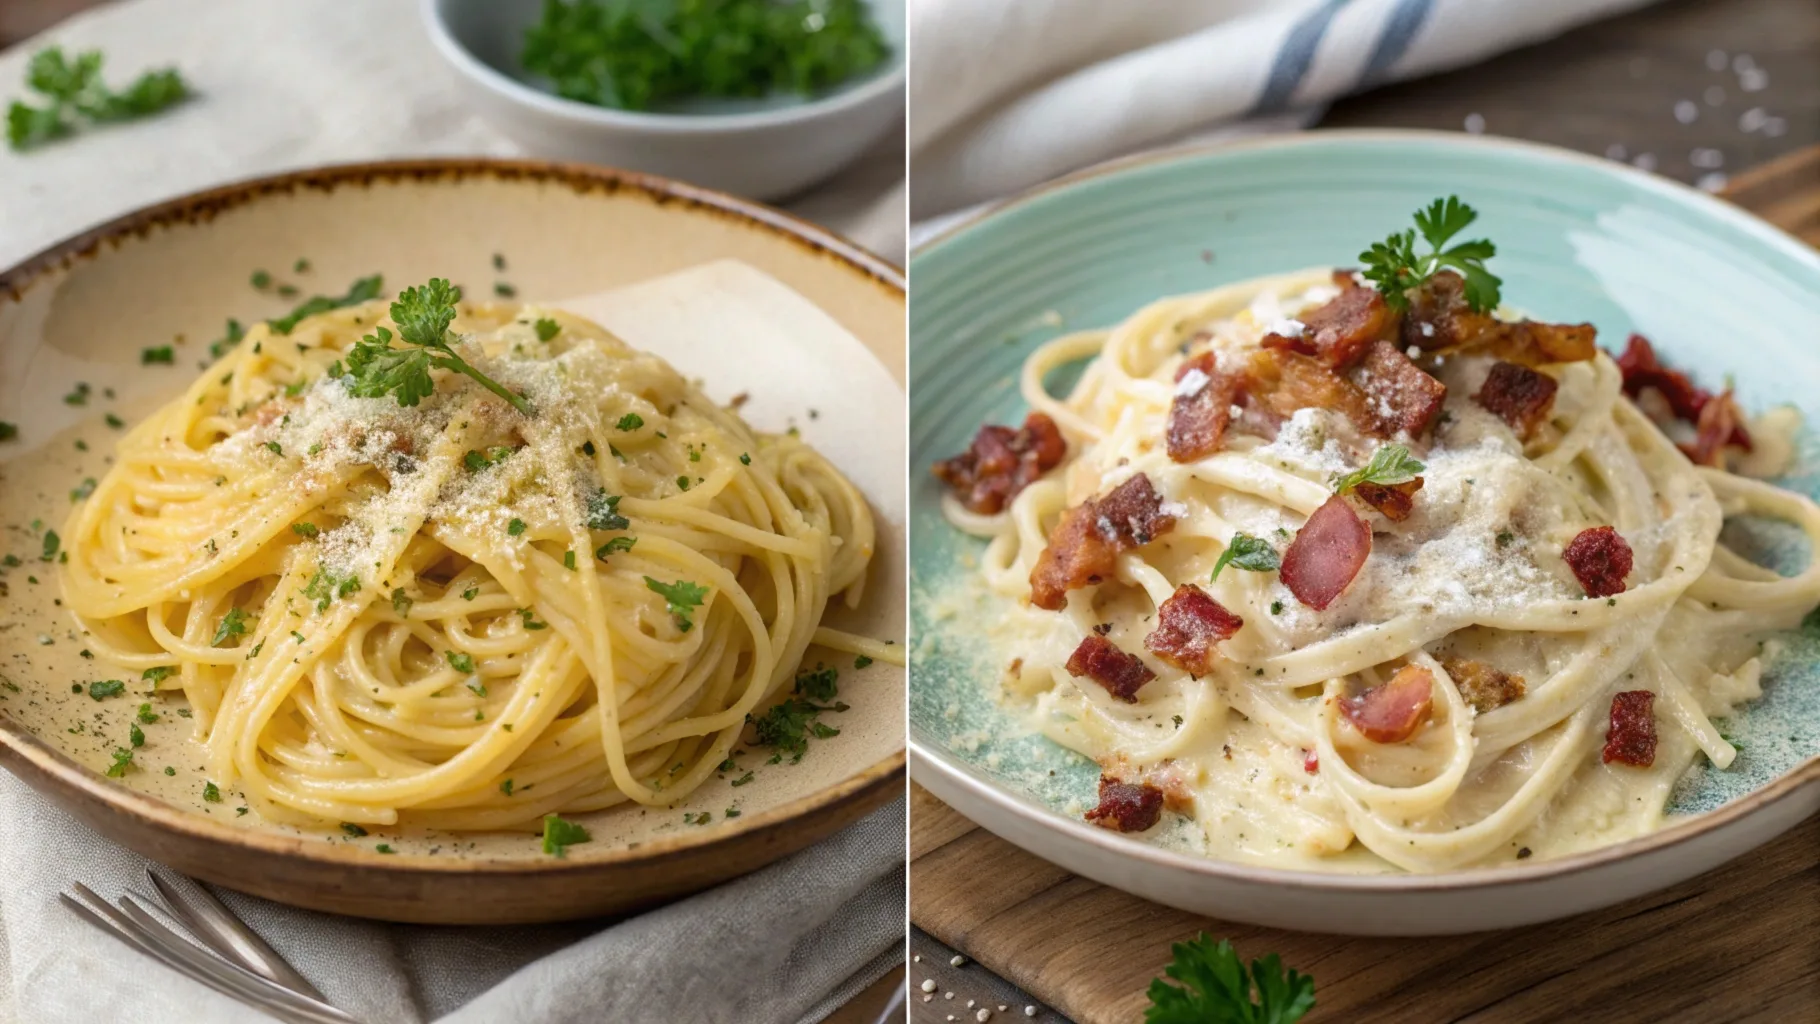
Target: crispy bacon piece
{"points": [[1100, 660], [1519, 396], [1001, 462], [1393, 501], [1686, 400], [1440, 319], [1311, 761], [1085, 544], [1125, 807], [1600, 559], [1400, 394], [1721, 423], [1483, 686], [1326, 554], [1201, 409], [1338, 332], [1189, 623], [1631, 739], [1392, 713], [1279, 382]]}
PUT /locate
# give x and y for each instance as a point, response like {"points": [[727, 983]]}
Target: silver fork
{"points": [[220, 950]]}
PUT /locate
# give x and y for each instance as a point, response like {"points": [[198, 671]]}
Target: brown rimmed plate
{"points": [[172, 274]]}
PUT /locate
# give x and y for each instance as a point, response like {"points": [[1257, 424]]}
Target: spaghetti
{"points": [[451, 614]]}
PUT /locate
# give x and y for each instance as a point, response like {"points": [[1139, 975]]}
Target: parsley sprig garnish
{"points": [[1248, 553], [1215, 988], [1390, 464], [423, 314], [1395, 268], [75, 88]]}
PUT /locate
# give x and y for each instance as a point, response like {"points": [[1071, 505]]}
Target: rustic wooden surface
{"points": [[1740, 944], [1612, 87], [1737, 944]]}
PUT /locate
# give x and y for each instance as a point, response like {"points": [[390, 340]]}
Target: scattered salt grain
{"points": [[1743, 62], [1475, 124], [1706, 158], [1191, 383], [947, 995], [1288, 328], [983, 1016], [1615, 151], [1686, 111], [1712, 182], [1752, 119], [1644, 161], [929, 985], [1753, 80], [956, 961], [1029, 1011]]}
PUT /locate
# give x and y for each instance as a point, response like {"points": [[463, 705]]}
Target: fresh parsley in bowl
{"points": [[758, 97], [633, 55]]}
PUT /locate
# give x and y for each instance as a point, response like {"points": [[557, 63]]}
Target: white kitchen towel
{"points": [[303, 83], [1005, 94], [293, 84], [769, 948]]}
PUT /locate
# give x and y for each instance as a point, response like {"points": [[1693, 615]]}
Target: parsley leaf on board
{"points": [[788, 725], [1215, 988], [75, 86], [680, 599], [1395, 268], [1248, 553], [123, 759], [423, 314], [1390, 464], [559, 834], [106, 688]]}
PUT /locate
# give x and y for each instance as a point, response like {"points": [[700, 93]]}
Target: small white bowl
{"points": [[766, 149]]}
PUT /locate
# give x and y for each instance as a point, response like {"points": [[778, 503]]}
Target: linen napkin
{"points": [[298, 84], [1007, 94]]}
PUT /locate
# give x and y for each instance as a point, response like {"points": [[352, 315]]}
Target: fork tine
{"points": [[189, 960], [108, 927], [218, 928]]}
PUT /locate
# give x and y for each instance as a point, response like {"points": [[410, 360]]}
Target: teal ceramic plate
{"points": [[1578, 239]]}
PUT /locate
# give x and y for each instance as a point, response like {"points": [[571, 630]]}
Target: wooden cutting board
{"points": [[1741, 943]]}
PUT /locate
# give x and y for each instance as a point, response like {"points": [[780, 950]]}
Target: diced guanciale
{"points": [[1519, 396], [1484, 687], [1631, 738], [1600, 559], [1100, 660], [1393, 501], [1441, 320], [1392, 712], [1721, 423], [1084, 546], [1125, 807], [1189, 624], [1326, 554], [1280, 382], [1338, 332], [1001, 462], [1685, 399], [1201, 409], [1400, 395]]}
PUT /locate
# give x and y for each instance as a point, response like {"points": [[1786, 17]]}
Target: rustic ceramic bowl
{"points": [[767, 148], [172, 274], [1578, 239]]}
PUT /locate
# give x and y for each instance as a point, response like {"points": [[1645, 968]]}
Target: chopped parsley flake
{"points": [[232, 624], [680, 599], [559, 834], [106, 688]]}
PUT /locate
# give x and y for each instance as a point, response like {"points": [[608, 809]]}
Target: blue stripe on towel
{"points": [[1399, 31], [1293, 60]]}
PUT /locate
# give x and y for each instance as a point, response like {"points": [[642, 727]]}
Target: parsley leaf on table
{"points": [[1248, 553], [423, 314], [1395, 268], [1390, 464], [75, 86], [1215, 988]]}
